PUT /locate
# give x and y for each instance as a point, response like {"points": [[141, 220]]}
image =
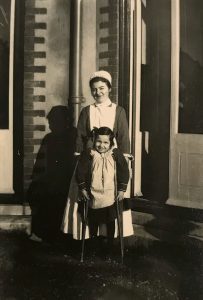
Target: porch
{"points": [[151, 221]]}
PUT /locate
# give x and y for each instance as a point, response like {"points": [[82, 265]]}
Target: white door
{"points": [[186, 140], [7, 9]]}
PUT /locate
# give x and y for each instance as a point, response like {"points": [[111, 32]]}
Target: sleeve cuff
{"points": [[76, 153], [129, 156], [122, 187]]}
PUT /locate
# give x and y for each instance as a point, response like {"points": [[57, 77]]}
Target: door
{"points": [[186, 141], [153, 97], [6, 95], [149, 109], [11, 100]]}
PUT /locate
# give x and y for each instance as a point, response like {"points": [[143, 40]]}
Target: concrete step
{"points": [[22, 223], [147, 226], [15, 209], [161, 227]]}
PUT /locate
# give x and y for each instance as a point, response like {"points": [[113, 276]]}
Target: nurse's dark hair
{"points": [[103, 131], [96, 79]]}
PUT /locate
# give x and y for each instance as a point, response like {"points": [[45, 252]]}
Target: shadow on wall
{"points": [[52, 174]]}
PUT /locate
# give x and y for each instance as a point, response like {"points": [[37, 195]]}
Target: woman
{"points": [[102, 113]]}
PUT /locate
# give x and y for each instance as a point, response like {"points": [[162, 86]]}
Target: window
{"points": [[191, 67], [5, 8]]}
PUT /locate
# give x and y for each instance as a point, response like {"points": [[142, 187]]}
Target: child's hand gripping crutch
{"points": [[119, 214], [85, 200]]}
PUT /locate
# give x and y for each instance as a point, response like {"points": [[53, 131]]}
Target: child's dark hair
{"points": [[96, 79], [104, 131]]}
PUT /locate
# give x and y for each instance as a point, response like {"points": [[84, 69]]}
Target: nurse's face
{"points": [[100, 91]]}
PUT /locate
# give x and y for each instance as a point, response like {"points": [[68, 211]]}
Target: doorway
{"points": [[155, 97]]}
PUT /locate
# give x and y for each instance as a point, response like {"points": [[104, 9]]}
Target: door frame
{"points": [[136, 135], [130, 83], [6, 134]]}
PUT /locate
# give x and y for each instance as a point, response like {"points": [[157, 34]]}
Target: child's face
{"points": [[100, 91], [102, 143]]}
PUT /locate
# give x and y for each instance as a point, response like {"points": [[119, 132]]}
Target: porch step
{"points": [[15, 209], [15, 217], [161, 227], [21, 223], [148, 226]]}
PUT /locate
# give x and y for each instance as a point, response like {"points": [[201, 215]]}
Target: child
{"points": [[98, 184]]}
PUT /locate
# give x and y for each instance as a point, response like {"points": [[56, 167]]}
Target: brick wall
{"points": [[46, 71], [34, 82], [42, 55], [108, 40]]}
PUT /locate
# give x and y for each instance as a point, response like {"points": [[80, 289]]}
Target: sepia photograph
{"points": [[101, 149]]}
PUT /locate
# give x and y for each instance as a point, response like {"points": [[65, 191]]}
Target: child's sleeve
{"points": [[82, 171], [122, 170]]}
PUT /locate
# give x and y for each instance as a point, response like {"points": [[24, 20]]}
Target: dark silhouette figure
{"points": [[51, 177]]}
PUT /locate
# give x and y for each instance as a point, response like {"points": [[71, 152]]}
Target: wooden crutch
{"points": [[119, 215], [84, 227]]}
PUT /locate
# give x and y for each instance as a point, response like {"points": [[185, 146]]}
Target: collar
{"points": [[104, 104], [94, 152]]}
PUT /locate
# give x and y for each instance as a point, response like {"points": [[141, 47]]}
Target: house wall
{"points": [[46, 66], [100, 40], [108, 41], [46, 70], [47, 56], [88, 47]]}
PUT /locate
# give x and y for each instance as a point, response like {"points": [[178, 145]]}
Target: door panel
{"points": [[186, 145]]}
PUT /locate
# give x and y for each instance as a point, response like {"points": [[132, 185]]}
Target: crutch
{"points": [[84, 227], [119, 215]]}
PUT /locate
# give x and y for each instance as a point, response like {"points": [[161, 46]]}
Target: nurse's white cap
{"points": [[102, 74]]}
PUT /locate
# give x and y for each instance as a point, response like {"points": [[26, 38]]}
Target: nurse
{"points": [[102, 113]]}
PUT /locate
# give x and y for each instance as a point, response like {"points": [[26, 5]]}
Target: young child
{"points": [[102, 175]]}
